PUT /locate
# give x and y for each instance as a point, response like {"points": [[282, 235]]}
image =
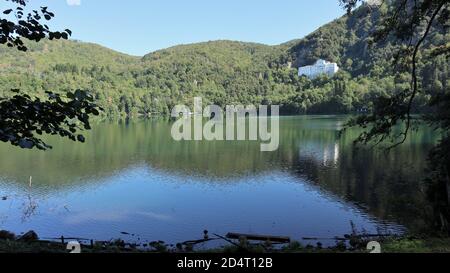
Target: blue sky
{"points": [[138, 27]]}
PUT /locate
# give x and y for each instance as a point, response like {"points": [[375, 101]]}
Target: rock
{"points": [[4, 198], [29, 236], [6, 235]]}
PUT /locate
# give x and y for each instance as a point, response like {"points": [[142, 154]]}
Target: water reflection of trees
{"points": [[389, 185]]}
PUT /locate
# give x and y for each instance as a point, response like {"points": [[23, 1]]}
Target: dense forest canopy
{"points": [[228, 72]]}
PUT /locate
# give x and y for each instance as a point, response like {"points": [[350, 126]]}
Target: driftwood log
{"points": [[254, 237]]}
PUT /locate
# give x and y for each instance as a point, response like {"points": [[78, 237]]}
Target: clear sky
{"points": [[138, 27]]}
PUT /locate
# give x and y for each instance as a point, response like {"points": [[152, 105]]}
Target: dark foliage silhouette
{"points": [[409, 24], [23, 118]]}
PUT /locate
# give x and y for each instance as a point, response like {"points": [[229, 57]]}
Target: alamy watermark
{"points": [[227, 125]]}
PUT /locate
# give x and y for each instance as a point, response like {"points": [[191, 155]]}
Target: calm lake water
{"points": [[132, 177]]}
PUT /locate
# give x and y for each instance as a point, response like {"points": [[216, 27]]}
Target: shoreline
{"points": [[30, 243]]}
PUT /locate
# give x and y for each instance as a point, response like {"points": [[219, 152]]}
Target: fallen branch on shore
{"points": [[254, 237]]}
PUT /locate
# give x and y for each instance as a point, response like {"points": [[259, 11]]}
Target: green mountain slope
{"points": [[46, 54], [225, 72], [222, 71], [346, 41]]}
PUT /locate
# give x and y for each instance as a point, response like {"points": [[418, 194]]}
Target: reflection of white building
{"points": [[325, 153], [320, 67], [331, 155]]}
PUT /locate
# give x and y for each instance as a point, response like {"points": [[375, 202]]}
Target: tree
{"points": [[29, 26], [409, 24], [23, 118]]}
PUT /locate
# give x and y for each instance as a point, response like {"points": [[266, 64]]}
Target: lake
{"points": [[132, 177]]}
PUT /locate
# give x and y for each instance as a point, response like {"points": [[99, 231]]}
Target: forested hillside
{"points": [[226, 72]]}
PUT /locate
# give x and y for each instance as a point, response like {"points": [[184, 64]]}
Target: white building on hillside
{"points": [[320, 67]]}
